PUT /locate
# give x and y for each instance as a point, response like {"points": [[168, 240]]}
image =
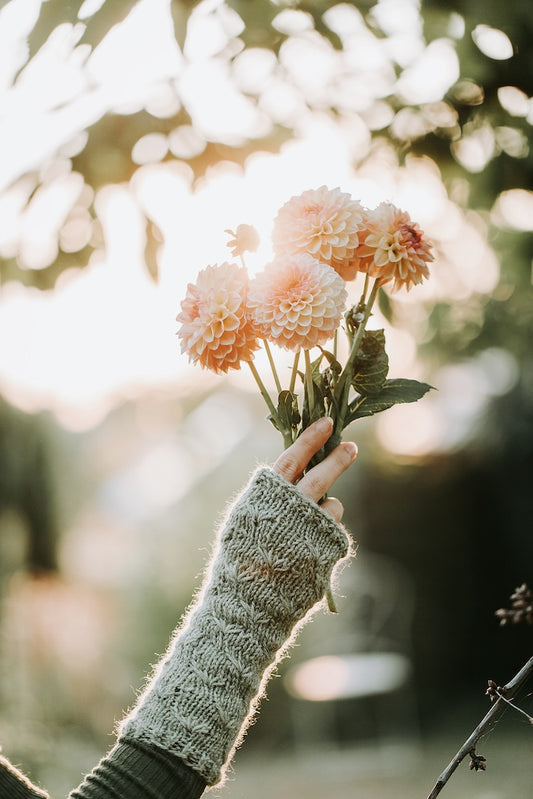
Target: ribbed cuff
{"points": [[137, 770], [14, 785]]}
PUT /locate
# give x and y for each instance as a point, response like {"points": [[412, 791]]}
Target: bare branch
{"points": [[507, 693]]}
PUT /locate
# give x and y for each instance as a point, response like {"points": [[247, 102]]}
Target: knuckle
{"points": [[315, 485], [287, 466], [344, 456]]}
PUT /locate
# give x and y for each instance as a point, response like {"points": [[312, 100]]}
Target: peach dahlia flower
{"points": [[394, 248], [216, 331], [297, 302], [322, 222]]}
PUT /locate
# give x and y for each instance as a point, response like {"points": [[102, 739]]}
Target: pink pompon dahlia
{"points": [[394, 248], [324, 223], [297, 302], [216, 330]]}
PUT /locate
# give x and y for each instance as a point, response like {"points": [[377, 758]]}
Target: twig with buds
{"points": [[521, 610], [500, 702], [521, 607]]}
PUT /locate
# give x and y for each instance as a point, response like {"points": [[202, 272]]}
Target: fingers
{"points": [[293, 461], [320, 478]]}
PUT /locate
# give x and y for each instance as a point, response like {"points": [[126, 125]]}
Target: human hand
{"points": [[292, 463]]}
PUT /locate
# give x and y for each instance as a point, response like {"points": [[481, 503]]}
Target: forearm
{"points": [[272, 564]]}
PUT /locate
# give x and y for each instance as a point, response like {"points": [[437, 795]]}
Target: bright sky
{"points": [[109, 331]]}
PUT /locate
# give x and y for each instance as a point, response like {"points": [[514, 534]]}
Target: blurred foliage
{"points": [[26, 493], [471, 107]]}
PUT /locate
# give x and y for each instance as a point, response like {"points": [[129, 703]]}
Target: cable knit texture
{"points": [[273, 562]]}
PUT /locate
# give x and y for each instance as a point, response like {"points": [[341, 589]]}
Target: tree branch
{"points": [[507, 692]]}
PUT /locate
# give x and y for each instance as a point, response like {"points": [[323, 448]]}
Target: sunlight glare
{"points": [[411, 431], [492, 42], [109, 331], [428, 78], [514, 209], [220, 111], [17, 19], [475, 148], [514, 100], [146, 36], [329, 677], [447, 418], [210, 28], [43, 217]]}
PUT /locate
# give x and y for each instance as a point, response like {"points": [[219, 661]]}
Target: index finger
{"points": [[292, 463], [321, 477]]}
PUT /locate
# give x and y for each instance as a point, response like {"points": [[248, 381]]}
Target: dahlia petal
{"points": [[394, 248], [290, 298], [322, 222], [216, 330]]}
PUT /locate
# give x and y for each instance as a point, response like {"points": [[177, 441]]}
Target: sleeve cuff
{"points": [[136, 769]]}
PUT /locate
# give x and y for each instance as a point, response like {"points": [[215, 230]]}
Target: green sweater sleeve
{"points": [[131, 769], [140, 771], [14, 785]]}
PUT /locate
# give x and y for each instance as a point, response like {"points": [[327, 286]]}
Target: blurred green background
{"points": [[116, 460]]}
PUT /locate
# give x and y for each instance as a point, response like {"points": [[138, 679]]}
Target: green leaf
{"points": [[334, 365], [393, 392], [288, 411], [317, 383], [371, 365]]}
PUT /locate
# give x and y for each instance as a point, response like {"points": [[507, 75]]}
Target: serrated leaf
{"points": [[394, 392]]}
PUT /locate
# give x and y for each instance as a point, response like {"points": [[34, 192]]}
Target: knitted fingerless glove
{"points": [[273, 562]]}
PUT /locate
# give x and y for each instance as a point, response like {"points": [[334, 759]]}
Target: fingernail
{"points": [[351, 448], [326, 423]]}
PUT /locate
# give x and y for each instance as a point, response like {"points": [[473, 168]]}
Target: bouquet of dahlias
{"points": [[321, 239]]}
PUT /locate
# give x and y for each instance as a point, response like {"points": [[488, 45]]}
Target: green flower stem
{"points": [[309, 386], [294, 373], [287, 434], [272, 365], [365, 287], [343, 386]]}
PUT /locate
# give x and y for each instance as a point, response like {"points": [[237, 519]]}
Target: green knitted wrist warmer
{"points": [[273, 562]]}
